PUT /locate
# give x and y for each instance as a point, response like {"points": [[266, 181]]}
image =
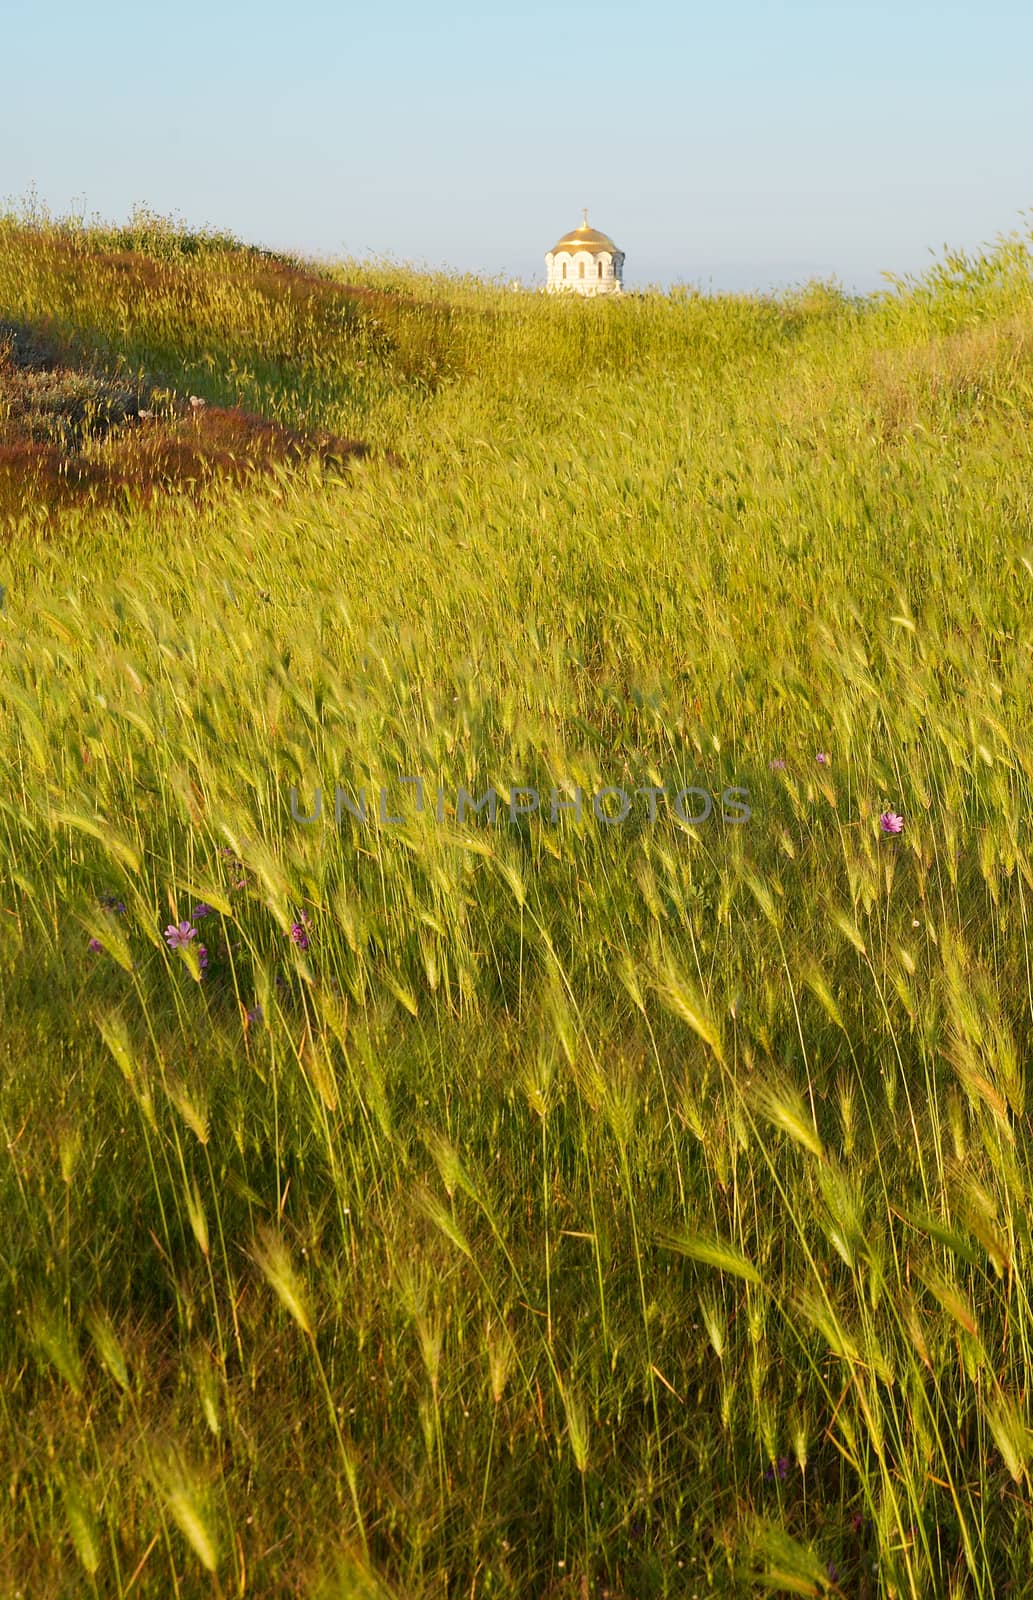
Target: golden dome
{"points": [[585, 238]]}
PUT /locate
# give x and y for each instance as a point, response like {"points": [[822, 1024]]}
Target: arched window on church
{"points": [[564, 269], [600, 267], [581, 269]]}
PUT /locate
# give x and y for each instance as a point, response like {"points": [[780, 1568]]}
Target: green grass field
{"points": [[546, 1207]]}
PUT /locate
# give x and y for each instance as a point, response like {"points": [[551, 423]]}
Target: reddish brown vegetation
{"points": [[277, 277], [280, 278], [194, 453], [219, 442]]}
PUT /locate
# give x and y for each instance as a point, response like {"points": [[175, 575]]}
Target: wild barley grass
{"points": [[569, 1209]]}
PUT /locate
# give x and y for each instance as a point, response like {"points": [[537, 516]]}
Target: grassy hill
{"points": [[550, 1205]]}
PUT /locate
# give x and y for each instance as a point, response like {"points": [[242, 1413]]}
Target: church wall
{"points": [[589, 282]]}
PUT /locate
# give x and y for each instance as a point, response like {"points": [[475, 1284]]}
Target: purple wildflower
{"points": [[832, 1570], [890, 822], [298, 934], [778, 765], [777, 1469], [823, 758], [202, 956], [179, 934], [255, 1014], [111, 902], [203, 910], [95, 945]]}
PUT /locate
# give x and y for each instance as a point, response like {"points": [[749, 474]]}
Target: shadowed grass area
{"points": [[529, 1205]]}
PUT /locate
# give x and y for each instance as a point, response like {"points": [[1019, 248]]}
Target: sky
{"points": [[731, 146]]}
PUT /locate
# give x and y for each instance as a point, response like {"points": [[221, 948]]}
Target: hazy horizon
{"points": [[733, 147], [708, 276]]}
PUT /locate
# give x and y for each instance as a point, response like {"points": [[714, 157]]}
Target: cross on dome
{"points": [[585, 262]]}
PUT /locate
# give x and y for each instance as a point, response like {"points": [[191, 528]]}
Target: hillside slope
{"points": [[407, 1200]]}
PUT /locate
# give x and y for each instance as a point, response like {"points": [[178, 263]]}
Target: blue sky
{"points": [[734, 145]]}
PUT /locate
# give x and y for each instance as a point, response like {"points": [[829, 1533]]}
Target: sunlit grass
{"points": [[539, 1206]]}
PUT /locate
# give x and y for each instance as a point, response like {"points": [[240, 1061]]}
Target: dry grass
{"points": [[975, 373]]}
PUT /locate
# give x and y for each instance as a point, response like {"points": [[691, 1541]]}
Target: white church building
{"points": [[584, 262]]}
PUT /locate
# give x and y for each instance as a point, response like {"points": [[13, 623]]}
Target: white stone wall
{"points": [[578, 272]]}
